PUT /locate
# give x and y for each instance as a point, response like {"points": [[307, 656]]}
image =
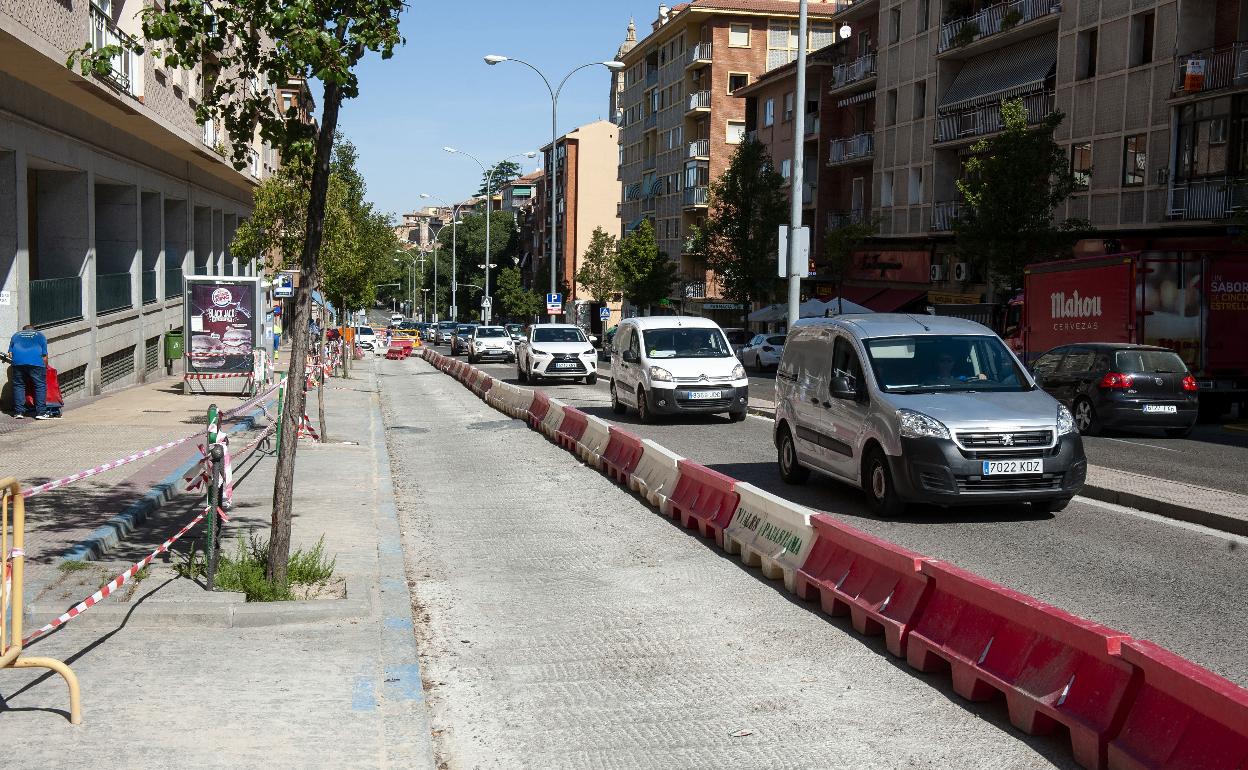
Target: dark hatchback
{"points": [[1131, 387]]}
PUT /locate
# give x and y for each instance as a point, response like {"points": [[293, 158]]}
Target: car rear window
{"points": [[1150, 361], [775, 340]]}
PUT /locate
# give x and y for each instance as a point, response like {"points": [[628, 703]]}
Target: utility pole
{"points": [[798, 236]]}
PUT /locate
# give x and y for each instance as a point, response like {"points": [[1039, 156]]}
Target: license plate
{"points": [[565, 365], [1012, 467], [1160, 408], [703, 395]]}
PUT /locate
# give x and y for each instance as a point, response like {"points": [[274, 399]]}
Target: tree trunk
{"points": [[296, 401]]}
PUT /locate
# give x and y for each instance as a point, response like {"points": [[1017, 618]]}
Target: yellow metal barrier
{"points": [[13, 558]]}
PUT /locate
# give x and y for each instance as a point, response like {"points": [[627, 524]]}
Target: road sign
{"points": [[486, 303], [554, 304], [604, 313], [454, 312], [283, 285]]}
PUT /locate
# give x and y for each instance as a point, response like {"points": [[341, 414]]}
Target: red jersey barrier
{"points": [[1051, 666], [703, 498], [877, 583], [538, 409], [621, 456], [1182, 716], [572, 428], [487, 382]]}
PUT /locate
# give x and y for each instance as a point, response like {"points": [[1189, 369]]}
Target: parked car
{"points": [[763, 351], [676, 364], [366, 338], [515, 331], [1120, 385], [446, 330], [938, 411], [490, 342], [738, 338], [460, 337], [556, 351]]}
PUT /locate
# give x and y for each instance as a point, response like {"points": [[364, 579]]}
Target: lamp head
{"points": [[494, 58], [449, 149], [530, 155], [613, 65], [424, 195]]}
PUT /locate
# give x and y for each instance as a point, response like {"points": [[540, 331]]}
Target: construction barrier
{"points": [[593, 441], [553, 418], [487, 382], [769, 532], [703, 499], [537, 409], [570, 430], [621, 455], [1051, 666], [1181, 716], [12, 603], [655, 476], [877, 583]]}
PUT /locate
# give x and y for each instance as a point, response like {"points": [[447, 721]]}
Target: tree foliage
{"points": [[1013, 183], [646, 274], [513, 300], [739, 240], [600, 270], [504, 172]]}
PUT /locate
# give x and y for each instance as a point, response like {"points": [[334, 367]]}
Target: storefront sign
{"points": [[908, 266], [952, 298]]}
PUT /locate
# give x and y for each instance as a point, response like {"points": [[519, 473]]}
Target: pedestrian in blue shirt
{"points": [[29, 351]]}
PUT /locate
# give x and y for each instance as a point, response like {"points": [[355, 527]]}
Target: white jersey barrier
{"points": [[770, 532], [553, 419], [656, 475], [594, 441]]}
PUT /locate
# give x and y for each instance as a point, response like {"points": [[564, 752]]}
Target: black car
{"points": [[1113, 385], [460, 338]]}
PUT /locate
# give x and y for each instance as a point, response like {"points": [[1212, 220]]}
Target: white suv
{"points": [[490, 342], [556, 351]]}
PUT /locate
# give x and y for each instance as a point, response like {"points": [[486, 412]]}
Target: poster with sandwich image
{"points": [[222, 324], [1170, 297]]}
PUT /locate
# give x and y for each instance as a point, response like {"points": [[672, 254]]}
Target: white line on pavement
{"points": [[1141, 443], [1238, 540]]}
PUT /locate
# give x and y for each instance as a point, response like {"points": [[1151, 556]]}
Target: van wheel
{"points": [[1085, 418], [737, 416], [643, 409], [791, 469], [616, 406], [877, 482]]}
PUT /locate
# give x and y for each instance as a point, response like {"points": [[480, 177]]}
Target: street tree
{"points": [[646, 274], [739, 239], [244, 50], [513, 300], [1012, 185], [504, 172], [600, 270]]}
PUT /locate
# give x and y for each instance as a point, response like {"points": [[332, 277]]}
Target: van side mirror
{"points": [[630, 356], [841, 388]]}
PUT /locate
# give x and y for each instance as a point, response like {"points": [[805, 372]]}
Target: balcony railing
{"points": [[812, 124], [993, 20], [1212, 68], [839, 219], [695, 290], [861, 68], [699, 100], [149, 287], [700, 148], [852, 148], [697, 196], [105, 33], [944, 214], [652, 77], [620, 120], [980, 121], [173, 282], [652, 120], [112, 293], [1216, 198], [700, 53], [55, 300]]}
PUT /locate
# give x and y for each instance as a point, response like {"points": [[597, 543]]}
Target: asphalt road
{"points": [[1177, 584]]}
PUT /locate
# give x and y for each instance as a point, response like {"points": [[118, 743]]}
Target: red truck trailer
{"points": [[1195, 304]]}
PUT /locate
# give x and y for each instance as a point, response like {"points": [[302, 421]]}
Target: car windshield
{"points": [[491, 331], [558, 334], [366, 331], [1149, 361], [685, 343], [938, 363], [465, 330], [775, 340]]}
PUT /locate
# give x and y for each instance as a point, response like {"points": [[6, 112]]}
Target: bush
{"points": [[244, 571]]}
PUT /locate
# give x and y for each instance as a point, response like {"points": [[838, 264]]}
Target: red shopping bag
{"points": [[52, 394]]}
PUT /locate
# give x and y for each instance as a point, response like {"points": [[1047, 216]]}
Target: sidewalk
{"points": [[212, 682]]}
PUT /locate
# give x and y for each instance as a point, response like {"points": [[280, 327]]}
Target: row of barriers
{"points": [[1125, 703]]}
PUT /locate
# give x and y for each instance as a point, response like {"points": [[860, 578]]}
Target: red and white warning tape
{"points": [[307, 431], [108, 466], [217, 375]]}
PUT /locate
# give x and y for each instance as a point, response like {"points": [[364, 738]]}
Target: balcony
{"points": [[839, 219], [112, 293], [1212, 69], [700, 54], [55, 301], [994, 20], [694, 290], [700, 148], [944, 214], [851, 149], [1216, 198], [697, 197], [149, 287], [105, 33], [981, 121], [173, 282], [699, 101], [859, 70], [652, 120], [809, 193], [652, 77], [812, 125]]}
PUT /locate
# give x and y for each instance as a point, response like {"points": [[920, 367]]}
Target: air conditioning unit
{"points": [[961, 271], [938, 273]]}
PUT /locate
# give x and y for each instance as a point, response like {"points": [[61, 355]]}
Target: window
{"points": [[920, 100], [736, 132], [1081, 164], [925, 14], [769, 112], [890, 108], [1142, 27], [845, 362], [1202, 149], [1134, 160], [822, 36], [786, 170], [739, 35], [916, 185], [894, 25], [1077, 361], [788, 108], [1047, 363], [735, 80], [1085, 65], [886, 189], [781, 43]]}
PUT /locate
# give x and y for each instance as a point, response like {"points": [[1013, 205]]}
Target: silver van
{"points": [[917, 408]]}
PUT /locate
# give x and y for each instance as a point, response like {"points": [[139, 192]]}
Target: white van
{"points": [[676, 365]]}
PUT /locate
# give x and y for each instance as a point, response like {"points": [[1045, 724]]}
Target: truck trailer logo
{"points": [[1074, 306]]}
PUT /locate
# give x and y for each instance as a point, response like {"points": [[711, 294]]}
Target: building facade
{"points": [[110, 192]]}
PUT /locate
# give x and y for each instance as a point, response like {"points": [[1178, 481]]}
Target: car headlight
{"points": [[659, 374], [738, 372], [919, 425], [1065, 421], [589, 352], [537, 352]]}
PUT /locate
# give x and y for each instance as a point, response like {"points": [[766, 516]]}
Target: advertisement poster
{"points": [[223, 326], [1169, 296], [1090, 304], [1227, 295]]}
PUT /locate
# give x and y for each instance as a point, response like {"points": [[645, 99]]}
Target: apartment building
{"points": [[582, 165], [110, 192], [680, 122]]}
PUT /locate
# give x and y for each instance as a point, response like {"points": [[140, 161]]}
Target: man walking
{"points": [[29, 351]]}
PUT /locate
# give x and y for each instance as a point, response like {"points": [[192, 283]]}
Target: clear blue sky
{"points": [[437, 91]]}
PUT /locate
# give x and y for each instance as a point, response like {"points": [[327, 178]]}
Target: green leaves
{"points": [[600, 271], [646, 275]]}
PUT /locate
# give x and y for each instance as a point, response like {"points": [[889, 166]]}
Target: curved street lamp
{"points": [[551, 188], [455, 223]]}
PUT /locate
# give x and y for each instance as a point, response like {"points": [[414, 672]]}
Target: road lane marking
{"points": [[1141, 443]]}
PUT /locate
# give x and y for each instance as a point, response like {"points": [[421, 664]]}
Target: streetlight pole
{"points": [[454, 250], [796, 270], [552, 192]]}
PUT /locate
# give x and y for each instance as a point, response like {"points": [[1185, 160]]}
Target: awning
{"points": [[856, 98], [631, 225], [893, 300], [861, 294], [1001, 74]]}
